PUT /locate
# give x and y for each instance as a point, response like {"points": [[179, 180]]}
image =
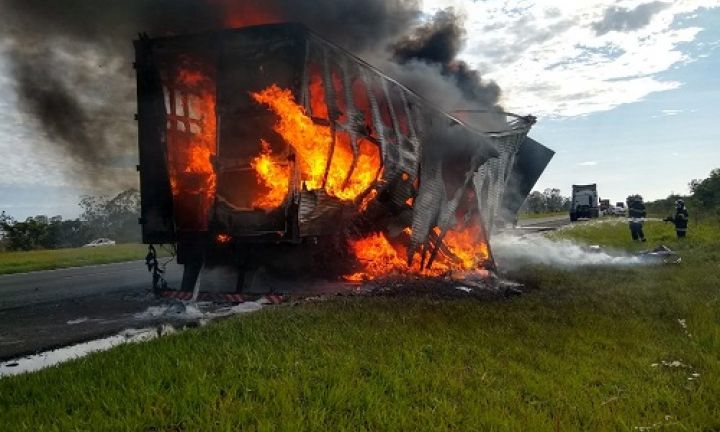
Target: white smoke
{"points": [[511, 251]]}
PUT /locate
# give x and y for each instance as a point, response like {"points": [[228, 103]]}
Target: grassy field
{"points": [[615, 233], [589, 349], [18, 262]]}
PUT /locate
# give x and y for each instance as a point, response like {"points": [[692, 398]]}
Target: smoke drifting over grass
{"points": [[513, 251], [71, 60]]}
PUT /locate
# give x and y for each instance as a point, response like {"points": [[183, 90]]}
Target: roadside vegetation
{"points": [[549, 202], [18, 262], [703, 201], [45, 243], [111, 217], [583, 349]]}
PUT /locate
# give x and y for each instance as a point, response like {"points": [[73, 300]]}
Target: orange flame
{"points": [[246, 13], [317, 97], [366, 201], [312, 144], [271, 175], [468, 245], [191, 146], [379, 257]]}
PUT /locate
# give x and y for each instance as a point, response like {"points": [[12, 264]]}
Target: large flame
{"points": [[324, 160], [469, 245], [464, 248], [378, 256], [312, 144]]}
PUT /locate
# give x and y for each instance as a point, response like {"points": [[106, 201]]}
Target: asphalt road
{"points": [[48, 309], [44, 310], [33, 288]]}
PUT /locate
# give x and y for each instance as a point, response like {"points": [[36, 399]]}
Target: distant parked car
{"points": [[618, 211], [100, 242]]}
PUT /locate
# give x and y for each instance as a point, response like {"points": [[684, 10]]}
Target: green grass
{"points": [[18, 262], [573, 353], [615, 233]]}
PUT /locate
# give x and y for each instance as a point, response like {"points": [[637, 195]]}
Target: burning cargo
{"points": [[268, 146]]}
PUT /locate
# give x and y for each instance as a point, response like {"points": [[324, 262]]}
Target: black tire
{"points": [[573, 217], [595, 214]]}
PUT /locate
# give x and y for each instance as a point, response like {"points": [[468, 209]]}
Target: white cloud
{"points": [[671, 112], [588, 163], [556, 58]]}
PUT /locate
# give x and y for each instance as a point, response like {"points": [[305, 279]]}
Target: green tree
{"points": [[706, 192], [535, 202], [116, 217], [554, 201], [34, 233]]}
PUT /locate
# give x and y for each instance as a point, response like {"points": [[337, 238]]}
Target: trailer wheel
{"points": [[573, 217]]}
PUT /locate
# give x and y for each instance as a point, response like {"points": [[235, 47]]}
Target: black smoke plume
{"points": [[437, 43], [71, 60]]}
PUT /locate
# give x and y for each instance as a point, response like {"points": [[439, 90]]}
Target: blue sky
{"points": [[626, 93], [654, 146]]}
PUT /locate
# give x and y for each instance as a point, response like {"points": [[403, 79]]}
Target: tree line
{"points": [[112, 217], [547, 201], [703, 200]]}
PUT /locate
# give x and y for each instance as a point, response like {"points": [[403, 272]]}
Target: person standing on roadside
{"points": [[679, 219], [636, 217]]}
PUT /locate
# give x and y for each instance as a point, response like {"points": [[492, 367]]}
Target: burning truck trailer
{"points": [[268, 147]]}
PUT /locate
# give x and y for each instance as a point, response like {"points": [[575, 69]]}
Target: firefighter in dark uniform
{"points": [[679, 219], [636, 217]]}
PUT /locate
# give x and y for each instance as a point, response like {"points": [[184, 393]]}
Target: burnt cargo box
{"points": [[211, 110]]}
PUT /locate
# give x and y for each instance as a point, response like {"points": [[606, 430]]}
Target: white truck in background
{"points": [[584, 202]]}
